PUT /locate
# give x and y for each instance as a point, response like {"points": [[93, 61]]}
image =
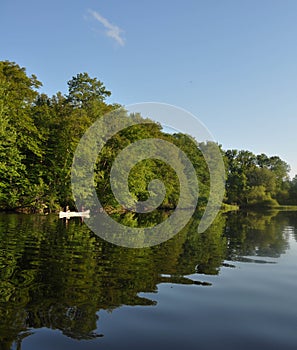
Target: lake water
{"points": [[232, 287]]}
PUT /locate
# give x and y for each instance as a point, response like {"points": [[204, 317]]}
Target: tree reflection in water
{"points": [[59, 276]]}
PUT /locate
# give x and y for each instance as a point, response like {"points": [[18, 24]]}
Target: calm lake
{"points": [[232, 287]]}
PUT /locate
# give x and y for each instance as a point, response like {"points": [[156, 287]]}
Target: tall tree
{"points": [[20, 142], [84, 90]]}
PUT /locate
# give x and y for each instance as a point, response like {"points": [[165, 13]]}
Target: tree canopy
{"points": [[39, 135]]}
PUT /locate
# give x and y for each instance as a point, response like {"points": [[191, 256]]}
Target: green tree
{"points": [[292, 191], [256, 179], [84, 90], [20, 141]]}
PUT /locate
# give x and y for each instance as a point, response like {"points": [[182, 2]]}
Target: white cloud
{"points": [[112, 30]]}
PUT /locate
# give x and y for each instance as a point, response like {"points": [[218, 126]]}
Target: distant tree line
{"points": [[39, 134], [258, 180]]}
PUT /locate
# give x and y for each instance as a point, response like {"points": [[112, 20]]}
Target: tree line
{"points": [[39, 135]]}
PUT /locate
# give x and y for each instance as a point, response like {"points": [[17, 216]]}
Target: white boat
{"points": [[73, 214]]}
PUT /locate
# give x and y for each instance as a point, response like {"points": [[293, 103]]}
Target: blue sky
{"points": [[232, 63]]}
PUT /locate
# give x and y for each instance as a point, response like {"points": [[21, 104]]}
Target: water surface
{"points": [[234, 286]]}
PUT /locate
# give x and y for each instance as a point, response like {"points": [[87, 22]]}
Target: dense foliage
{"points": [[39, 134]]}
